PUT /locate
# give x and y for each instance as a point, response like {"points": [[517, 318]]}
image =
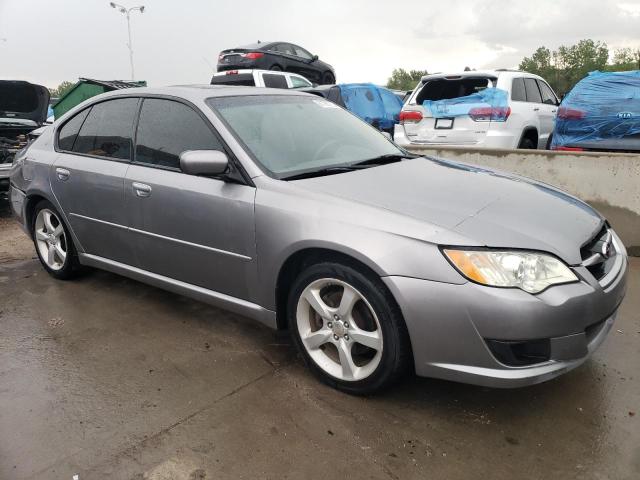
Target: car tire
{"points": [[53, 242], [328, 78], [331, 343], [526, 144], [276, 68]]}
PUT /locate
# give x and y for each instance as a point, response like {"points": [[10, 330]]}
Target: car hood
{"points": [[491, 208], [21, 100]]}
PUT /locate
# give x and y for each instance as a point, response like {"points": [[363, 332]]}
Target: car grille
{"points": [[596, 257]]}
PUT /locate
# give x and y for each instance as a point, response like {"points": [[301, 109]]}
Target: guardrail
{"points": [[610, 182]]}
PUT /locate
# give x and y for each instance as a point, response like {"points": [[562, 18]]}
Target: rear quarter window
{"points": [[517, 90], [69, 131]]}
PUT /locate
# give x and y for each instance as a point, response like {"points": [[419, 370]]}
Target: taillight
{"points": [[252, 55], [568, 149], [571, 113], [410, 116], [490, 114]]}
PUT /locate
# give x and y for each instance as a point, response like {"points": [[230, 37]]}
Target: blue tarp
{"points": [[375, 105], [493, 101], [603, 105]]}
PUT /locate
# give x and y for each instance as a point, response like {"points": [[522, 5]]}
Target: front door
{"points": [[197, 230], [87, 178]]}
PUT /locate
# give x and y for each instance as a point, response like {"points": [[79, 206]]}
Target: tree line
{"points": [[562, 68]]}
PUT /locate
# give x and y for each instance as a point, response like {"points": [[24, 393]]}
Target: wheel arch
{"points": [[531, 133], [299, 260]]}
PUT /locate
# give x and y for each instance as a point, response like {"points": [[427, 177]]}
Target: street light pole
{"points": [[127, 12]]}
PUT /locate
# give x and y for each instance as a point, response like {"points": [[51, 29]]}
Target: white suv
{"points": [[260, 78], [525, 121]]}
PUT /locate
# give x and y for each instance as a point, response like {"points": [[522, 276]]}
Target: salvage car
{"points": [[23, 108], [286, 208], [279, 56], [378, 106], [260, 78], [600, 113], [481, 109]]}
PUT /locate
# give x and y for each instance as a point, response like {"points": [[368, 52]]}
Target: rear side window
{"points": [[107, 130], [69, 131], [272, 80], [301, 52], [517, 90], [531, 88], [548, 96], [166, 129], [443, 89]]}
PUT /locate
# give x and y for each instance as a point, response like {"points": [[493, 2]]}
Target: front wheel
{"points": [[53, 242], [348, 328], [328, 78], [276, 68]]}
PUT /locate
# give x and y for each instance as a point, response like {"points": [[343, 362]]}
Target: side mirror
{"points": [[203, 162], [314, 58]]}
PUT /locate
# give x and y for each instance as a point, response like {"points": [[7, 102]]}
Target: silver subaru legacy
{"points": [[283, 207]]}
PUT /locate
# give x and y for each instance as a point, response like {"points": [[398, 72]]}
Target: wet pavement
{"points": [[105, 377]]}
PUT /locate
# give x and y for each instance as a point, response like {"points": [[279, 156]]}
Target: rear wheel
{"points": [[527, 144], [328, 78], [53, 242], [348, 328]]}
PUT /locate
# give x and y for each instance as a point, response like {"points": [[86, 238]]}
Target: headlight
{"points": [[529, 271]]}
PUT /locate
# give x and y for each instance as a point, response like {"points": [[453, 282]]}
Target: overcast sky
{"points": [[48, 41]]}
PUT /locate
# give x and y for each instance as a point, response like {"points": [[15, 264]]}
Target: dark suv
{"points": [[277, 56]]}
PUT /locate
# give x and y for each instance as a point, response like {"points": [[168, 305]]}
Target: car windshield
{"points": [[290, 135]]}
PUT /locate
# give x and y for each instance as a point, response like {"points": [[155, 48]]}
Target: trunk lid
{"points": [[458, 129]]}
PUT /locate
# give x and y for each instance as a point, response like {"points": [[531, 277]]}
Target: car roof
{"points": [[200, 92], [476, 73], [253, 46]]}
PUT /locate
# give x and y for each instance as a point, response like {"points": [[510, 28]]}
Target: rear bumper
{"points": [[450, 327], [492, 139]]}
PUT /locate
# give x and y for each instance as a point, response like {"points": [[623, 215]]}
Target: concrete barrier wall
{"points": [[610, 182]]}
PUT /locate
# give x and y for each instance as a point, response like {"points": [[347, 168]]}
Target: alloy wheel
{"points": [[339, 329], [51, 240]]}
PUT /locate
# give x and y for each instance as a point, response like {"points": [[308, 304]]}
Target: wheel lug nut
{"points": [[336, 317], [335, 337], [346, 325], [330, 325], [346, 337]]}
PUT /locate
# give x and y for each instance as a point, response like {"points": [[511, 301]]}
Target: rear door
{"points": [[198, 230], [454, 129], [88, 176], [540, 119], [548, 111]]}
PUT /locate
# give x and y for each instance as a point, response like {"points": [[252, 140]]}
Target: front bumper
{"points": [[450, 326]]}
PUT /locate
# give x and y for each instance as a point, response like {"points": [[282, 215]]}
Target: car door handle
{"points": [[63, 174], [554, 111], [141, 189], [537, 109]]}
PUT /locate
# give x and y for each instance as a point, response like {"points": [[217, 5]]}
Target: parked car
{"points": [[280, 56], [23, 108], [378, 106], [260, 78], [284, 207], [488, 109], [601, 113]]}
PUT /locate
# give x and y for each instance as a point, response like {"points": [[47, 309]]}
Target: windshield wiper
{"points": [[384, 159], [322, 172]]}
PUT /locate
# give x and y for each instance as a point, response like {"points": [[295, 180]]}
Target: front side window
{"points": [[301, 52], [548, 96], [292, 134], [531, 88], [69, 131], [107, 130], [299, 82], [166, 129]]}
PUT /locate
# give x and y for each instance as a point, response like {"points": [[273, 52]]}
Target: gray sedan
{"points": [[283, 207]]}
